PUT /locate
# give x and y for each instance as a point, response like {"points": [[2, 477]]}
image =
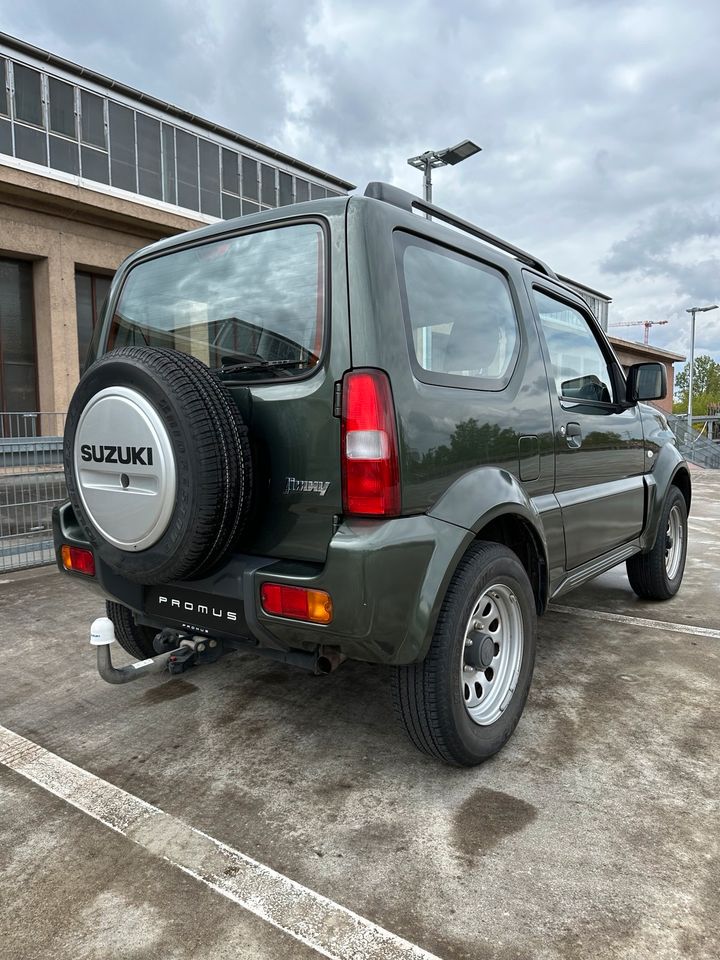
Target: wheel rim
{"points": [[674, 538], [492, 654]]}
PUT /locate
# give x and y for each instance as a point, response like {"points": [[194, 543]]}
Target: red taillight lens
{"points": [[78, 560], [370, 468], [296, 602]]}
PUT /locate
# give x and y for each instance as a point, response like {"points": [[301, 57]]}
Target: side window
{"points": [[579, 365], [460, 316]]}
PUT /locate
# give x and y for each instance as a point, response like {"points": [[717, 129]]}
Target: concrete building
{"points": [[90, 170], [629, 352]]}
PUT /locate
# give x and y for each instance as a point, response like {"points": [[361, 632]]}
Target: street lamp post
{"points": [[441, 158], [693, 311]]}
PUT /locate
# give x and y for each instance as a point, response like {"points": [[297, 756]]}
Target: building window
{"points": [[286, 189], [249, 179], [209, 178], [62, 107], [149, 163], [268, 185], [3, 87], [92, 109], [28, 95], [187, 169], [168, 164], [122, 147], [302, 190], [91, 290], [18, 371]]}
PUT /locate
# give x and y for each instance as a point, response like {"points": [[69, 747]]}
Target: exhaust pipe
{"points": [[102, 634]]}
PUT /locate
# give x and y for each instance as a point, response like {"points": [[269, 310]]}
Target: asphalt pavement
{"points": [[250, 810]]}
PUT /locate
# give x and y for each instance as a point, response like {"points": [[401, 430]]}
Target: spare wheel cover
{"points": [[125, 468]]}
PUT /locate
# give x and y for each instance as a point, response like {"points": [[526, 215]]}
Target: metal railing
{"points": [[32, 482], [697, 449]]}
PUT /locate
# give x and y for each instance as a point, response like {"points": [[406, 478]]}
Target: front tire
{"points": [[462, 703], [657, 574]]}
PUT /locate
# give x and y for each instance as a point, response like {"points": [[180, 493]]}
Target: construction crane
{"points": [[636, 323]]}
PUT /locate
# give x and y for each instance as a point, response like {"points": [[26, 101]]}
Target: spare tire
{"points": [[157, 462]]}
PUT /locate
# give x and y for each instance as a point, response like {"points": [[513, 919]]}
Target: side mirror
{"points": [[646, 381]]}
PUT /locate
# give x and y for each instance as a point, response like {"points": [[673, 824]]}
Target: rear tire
{"points": [[657, 574], [462, 703], [132, 637]]}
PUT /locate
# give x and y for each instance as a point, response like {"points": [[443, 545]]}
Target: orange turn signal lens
{"points": [[279, 600], [78, 560]]}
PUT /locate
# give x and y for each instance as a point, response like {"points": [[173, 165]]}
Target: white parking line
{"points": [[639, 621], [325, 926]]}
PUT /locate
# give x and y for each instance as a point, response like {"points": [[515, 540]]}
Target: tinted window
{"points": [[285, 189], [579, 365], [168, 163], [3, 87], [268, 185], [64, 155], [62, 107], [249, 178], [230, 172], [94, 165], [18, 379], [28, 95], [259, 294], [6, 137], [316, 192], [122, 147], [148, 148], [187, 170], [91, 291], [460, 313], [93, 119], [30, 145], [209, 178], [230, 206], [302, 190]]}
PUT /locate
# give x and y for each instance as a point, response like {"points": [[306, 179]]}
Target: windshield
{"points": [[251, 304]]}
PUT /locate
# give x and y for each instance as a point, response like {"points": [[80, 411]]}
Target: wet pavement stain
{"points": [[486, 818], [170, 690]]}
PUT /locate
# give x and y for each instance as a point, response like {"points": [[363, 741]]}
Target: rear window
{"points": [[460, 316], [252, 305]]}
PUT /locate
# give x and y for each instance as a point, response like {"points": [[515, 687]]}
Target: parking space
{"points": [[594, 833]]}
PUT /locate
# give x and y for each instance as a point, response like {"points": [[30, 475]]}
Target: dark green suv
{"points": [[342, 430]]}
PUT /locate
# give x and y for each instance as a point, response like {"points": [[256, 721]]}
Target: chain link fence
{"points": [[31, 484]]}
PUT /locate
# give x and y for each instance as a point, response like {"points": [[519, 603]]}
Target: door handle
{"points": [[573, 435]]}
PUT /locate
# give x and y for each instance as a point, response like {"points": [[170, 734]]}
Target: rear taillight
{"points": [[78, 560], [370, 467], [298, 603]]}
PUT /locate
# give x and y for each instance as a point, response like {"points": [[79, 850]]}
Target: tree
{"points": [[706, 385]]}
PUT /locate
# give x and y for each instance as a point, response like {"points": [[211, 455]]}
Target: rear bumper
{"points": [[387, 580]]}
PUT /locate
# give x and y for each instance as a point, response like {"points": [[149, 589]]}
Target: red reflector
{"points": [[296, 602], [78, 560], [370, 463]]}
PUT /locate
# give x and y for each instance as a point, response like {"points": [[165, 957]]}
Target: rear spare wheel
{"points": [[157, 463]]}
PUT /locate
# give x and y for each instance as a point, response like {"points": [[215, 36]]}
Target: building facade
{"points": [[91, 170]]}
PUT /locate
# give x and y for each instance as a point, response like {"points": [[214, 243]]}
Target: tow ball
{"points": [[176, 651]]}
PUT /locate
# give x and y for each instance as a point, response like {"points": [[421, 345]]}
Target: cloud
{"points": [[599, 122]]}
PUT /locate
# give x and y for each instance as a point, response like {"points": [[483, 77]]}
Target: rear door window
{"points": [[460, 316], [254, 301]]}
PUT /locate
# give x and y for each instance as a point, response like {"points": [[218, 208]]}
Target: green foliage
{"points": [[706, 386]]}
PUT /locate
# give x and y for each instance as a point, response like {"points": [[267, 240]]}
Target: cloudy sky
{"points": [[599, 119]]}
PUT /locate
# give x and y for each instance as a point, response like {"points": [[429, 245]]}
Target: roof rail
{"points": [[409, 202]]}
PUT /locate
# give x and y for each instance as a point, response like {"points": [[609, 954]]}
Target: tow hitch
{"points": [[176, 651]]}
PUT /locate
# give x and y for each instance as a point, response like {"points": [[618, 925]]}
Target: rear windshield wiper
{"points": [[251, 362]]}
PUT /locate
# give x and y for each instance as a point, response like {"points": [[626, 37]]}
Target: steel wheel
{"points": [[674, 541], [493, 653]]}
